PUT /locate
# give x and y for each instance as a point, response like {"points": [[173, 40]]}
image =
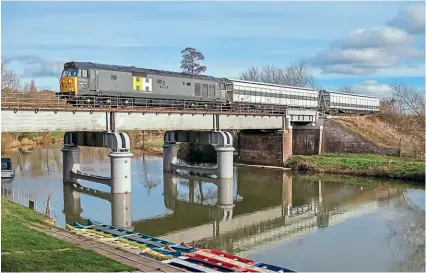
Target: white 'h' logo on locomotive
{"points": [[144, 84]]}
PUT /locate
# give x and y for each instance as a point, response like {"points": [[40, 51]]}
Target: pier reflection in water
{"points": [[256, 212]]}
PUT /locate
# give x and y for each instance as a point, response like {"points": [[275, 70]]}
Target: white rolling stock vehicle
{"points": [[335, 102], [258, 93]]}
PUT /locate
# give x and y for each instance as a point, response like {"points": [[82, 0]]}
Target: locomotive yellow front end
{"points": [[68, 82]]}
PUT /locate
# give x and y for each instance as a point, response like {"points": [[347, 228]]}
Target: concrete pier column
{"points": [[70, 161], [287, 143], [225, 162], [169, 155], [121, 210], [320, 139], [170, 190], [121, 172], [225, 202]]}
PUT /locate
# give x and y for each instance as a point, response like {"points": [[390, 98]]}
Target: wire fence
{"points": [[39, 202]]}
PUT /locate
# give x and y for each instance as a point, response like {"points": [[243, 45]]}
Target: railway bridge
{"points": [[283, 129]]}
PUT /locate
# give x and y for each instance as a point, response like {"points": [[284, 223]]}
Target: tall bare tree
{"points": [[9, 79], [346, 89], [296, 74], [189, 62]]}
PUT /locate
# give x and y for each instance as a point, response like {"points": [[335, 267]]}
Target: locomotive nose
{"points": [[68, 85]]}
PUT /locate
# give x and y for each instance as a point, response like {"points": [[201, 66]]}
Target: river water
{"points": [[302, 222]]}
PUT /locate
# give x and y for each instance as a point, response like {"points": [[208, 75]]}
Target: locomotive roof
{"points": [[138, 70]]}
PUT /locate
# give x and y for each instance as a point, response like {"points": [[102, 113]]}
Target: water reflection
{"points": [[265, 214], [121, 208]]}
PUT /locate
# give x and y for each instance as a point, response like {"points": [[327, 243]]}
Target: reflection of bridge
{"points": [[279, 223], [298, 228], [265, 215]]}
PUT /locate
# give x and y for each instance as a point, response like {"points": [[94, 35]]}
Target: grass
{"points": [[361, 164], [41, 252], [71, 260]]}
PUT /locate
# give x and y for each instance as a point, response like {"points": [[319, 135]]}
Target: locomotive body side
{"points": [[143, 84]]}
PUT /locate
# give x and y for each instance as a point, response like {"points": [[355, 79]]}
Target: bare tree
{"points": [[9, 79], [30, 88], [190, 57], [405, 113], [390, 106], [347, 89], [296, 74], [410, 98]]}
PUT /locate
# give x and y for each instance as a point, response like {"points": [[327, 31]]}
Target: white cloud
{"points": [[373, 88], [379, 37], [36, 67], [368, 51], [410, 19]]}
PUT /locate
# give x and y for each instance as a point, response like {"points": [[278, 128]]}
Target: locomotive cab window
{"points": [[113, 77], [84, 73]]}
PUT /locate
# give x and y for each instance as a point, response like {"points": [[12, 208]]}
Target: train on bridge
{"points": [[113, 85]]}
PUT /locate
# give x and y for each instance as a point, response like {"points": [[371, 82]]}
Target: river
{"points": [[302, 222]]}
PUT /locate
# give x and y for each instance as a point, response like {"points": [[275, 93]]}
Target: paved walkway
{"points": [[144, 264]]}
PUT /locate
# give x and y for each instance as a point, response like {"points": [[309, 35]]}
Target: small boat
{"points": [[273, 268], [152, 242], [191, 267], [226, 257], [217, 262], [210, 266], [7, 168], [119, 242]]}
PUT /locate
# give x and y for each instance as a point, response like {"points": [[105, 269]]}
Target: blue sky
{"points": [[367, 44]]}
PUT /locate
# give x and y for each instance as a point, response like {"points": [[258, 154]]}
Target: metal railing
{"points": [[97, 103]]}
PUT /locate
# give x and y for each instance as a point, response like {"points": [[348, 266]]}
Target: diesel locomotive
{"points": [[113, 85]]}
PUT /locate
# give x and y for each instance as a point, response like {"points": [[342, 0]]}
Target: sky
{"points": [[366, 44]]}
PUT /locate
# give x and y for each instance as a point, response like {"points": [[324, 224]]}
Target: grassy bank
{"points": [[360, 164], [25, 249]]}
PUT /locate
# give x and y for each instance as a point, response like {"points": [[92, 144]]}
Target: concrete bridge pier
{"points": [[71, 161], [120, 180], [225, 162], [224, 150], [121, 172], [169, 155]]}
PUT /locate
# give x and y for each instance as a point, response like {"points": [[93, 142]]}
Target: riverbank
{"points": [[24, 248], [30, 242], [360, 165], [27, 141]]}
